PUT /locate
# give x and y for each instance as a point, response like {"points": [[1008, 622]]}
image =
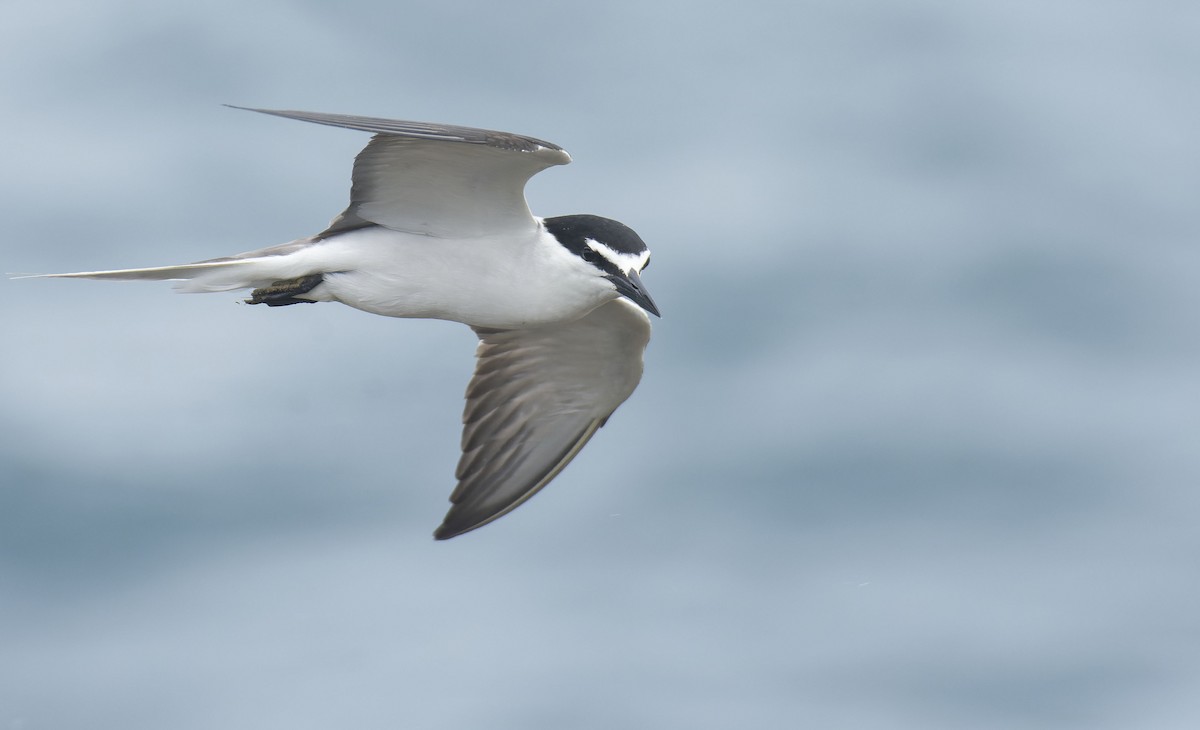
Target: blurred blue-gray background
{"points": [[917, 441]]}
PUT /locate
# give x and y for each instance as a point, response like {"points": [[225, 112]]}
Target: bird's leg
{"points": [[283, 293]]}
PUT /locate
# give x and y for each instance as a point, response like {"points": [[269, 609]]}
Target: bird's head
{"points": [[608, 251]]}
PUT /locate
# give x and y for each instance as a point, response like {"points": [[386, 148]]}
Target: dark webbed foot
{"points": [[283, 293]]}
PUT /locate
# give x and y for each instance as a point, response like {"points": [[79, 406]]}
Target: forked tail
{"points": [[280, 271], [204, 276]]}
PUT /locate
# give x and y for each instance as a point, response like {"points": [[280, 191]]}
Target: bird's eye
{"points": [[589, 255]]}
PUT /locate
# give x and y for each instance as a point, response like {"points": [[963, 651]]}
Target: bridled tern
{"points": [[438, 227]]}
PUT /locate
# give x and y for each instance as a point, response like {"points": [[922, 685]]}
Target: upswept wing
{"points": [[536, 398], [438, 180]]}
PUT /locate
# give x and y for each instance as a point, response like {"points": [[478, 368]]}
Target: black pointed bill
{"points": [[630, 286]]}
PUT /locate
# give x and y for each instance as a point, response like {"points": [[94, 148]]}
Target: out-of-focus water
{"points": [[916, 445]]}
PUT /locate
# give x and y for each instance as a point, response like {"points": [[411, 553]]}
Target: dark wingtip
{"points": [[445, 531], [455, 523]]}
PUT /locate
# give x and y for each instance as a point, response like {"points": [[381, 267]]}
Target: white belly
{"points": [[502, 284]]}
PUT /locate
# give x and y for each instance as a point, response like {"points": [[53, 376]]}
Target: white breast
{"points": [[501, 283]]}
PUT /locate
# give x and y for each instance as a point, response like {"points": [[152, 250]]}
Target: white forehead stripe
{"points": [[623, 261]]}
